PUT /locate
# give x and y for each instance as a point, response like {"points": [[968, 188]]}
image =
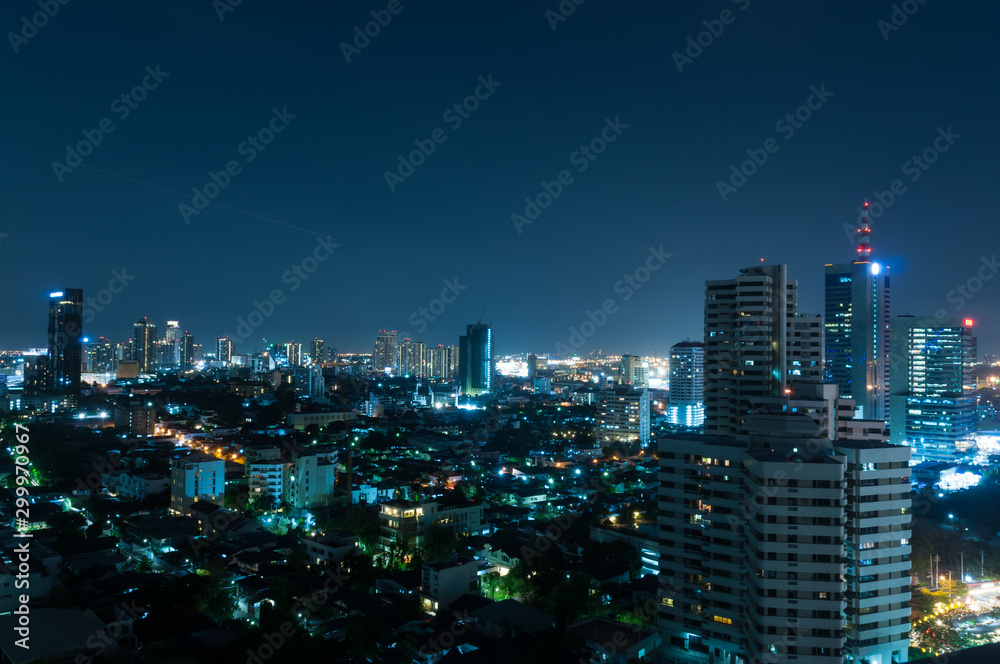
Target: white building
{"points": [[782, 543], [196, 477]]}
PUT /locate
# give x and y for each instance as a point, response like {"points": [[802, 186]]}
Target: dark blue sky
{"points": [[656, 184]]}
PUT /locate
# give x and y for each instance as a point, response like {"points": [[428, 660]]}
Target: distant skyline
{"points": [[275, 150]]}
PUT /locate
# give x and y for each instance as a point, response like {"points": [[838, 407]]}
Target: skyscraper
{"points": [[65, 342], [412, 358], [687, 384], [224, 349], [930, 409], [187, 352], [475, 359], [385, 353], [746, 349], [173, 336], [857, 329], [143, 341], [317, 351], [293, 351]]}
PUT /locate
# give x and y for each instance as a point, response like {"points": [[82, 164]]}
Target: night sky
{"points": [[550, 92]]}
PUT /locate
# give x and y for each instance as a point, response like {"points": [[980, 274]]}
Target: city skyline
{"points": [[657, 183]]}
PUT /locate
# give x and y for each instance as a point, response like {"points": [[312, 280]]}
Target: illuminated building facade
{"points": [[65, 332], [143, 345], [931, 411], [385, 355], [687, 384], [476, 364], [857, 329]]}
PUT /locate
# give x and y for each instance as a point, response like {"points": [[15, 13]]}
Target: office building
{"points": [[143, 345], [781, 545], [385, 356], [687, 384], [65, 360], [439, 362], [224, 349], [930, 409], [857, 329], [476, 366]]}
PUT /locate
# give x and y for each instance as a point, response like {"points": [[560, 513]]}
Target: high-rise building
{"points": [[687, 384], [746, 349], [165, 353], [412, 358], [293, 351], [635, 371], [475, 359], [65, 342], [187, 352], [857, 329], [224, 349], [930, 409], [623, 416], [780, 544], [102, 356], [805, 348], [438, 362], [317, 351], [385, 356], [308, 382], [453, 353], [173, 335], [143, 342]]}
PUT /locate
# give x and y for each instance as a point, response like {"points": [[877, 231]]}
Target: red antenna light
{"points": [[864, 248]]}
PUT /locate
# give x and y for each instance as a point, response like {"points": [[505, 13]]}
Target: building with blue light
{"points": [[930, 407], [857, 330], [476, 364]]}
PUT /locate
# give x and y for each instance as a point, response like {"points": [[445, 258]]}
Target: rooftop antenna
{"points": [[864, 248]]}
